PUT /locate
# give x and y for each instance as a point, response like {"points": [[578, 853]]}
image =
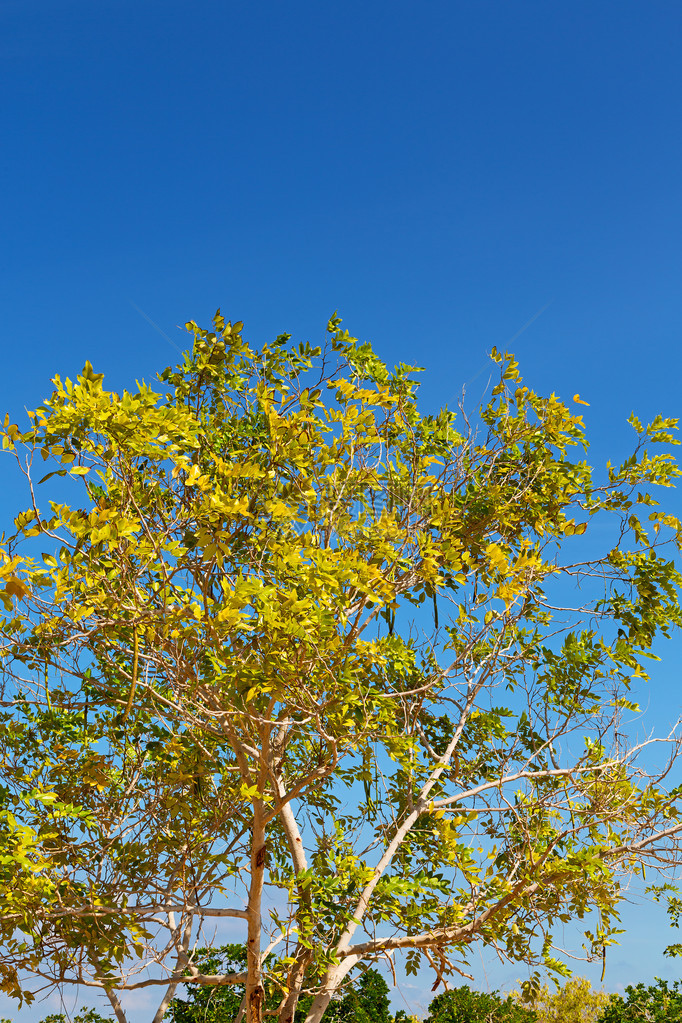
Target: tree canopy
{"points": [[575, 1002], [366, 1002], [284, 653], [462, 1005], [656, 1003]]}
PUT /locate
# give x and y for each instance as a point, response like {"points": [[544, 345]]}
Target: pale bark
{"points": [[110, 992], [254, 982], [116, 1006], [165, 1001], [295, 981], [181, 961], [405, 828], [335, 975], [332, 983], [303, 956]]}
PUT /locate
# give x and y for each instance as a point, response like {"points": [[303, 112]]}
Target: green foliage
{"points": [[84, 1016], [211, 1004], [462, 1005], [365, 1002], [658, 1003], [280, 646], [575, 1002], [670, 894]]}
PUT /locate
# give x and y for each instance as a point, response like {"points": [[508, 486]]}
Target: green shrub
{"points": [[461, 1005], [84, 1016], [366, 1002], [658, 1003]]}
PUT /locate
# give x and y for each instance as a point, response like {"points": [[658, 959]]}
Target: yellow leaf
{"points": [[16, 588], [579, 401]]}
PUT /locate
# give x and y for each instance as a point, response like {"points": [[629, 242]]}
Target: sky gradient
{"points": [[448, 175]]}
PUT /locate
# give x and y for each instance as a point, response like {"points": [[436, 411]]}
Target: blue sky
{"points": [[439, 172]]}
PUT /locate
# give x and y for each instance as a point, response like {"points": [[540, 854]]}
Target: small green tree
{"points": [[365, 1002], [575, 1002], [462, 1005], [657, 1003], [214, 1004], [84, 1016]]}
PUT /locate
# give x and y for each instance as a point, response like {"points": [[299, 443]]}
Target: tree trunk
{"points": [[295, 980], [331, 985], [254, 983], [109, 991]]}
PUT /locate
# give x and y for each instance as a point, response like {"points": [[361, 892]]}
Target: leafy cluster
{"points": [[367, 1002], [462, 1005], [280, 647], [657, 1003]]}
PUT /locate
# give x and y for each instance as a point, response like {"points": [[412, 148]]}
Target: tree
{"points": [[462, 1005], [575, 1002], [367, 1002], [84, 1016], [212, 1004], [283, 650], [657, 1003]]}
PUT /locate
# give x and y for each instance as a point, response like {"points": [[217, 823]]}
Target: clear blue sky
{"points": [[437, 171]]}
